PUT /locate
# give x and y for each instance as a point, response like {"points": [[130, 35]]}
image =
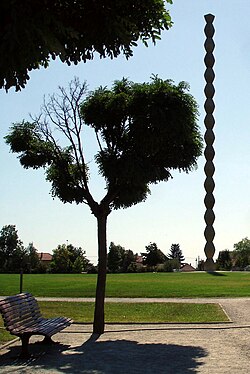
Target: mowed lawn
{"points": [[83, 312], [162, 285]]}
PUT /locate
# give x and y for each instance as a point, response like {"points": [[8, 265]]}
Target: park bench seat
{"points": [[22, 317]]}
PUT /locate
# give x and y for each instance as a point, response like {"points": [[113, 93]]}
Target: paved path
{"points": [[144, 349]]}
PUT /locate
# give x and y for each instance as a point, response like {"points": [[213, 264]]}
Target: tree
{"points": [[241, 253], [224, 261], [143, 131], [115, 258], [68, 259], [12, 251], [176, 253], [153, 255], [119, 259], [78, 265], [201, 265], [171, 264], [34, 32], [33, 262], [128, 261]]}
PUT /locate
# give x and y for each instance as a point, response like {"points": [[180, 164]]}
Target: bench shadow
{"points": [[110, 357]]}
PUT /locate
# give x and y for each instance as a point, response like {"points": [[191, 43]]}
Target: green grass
{"points": [[131, 313], [228, 284], [137, 312]]}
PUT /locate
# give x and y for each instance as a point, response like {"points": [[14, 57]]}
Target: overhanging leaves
{"points": [[34, 32]]}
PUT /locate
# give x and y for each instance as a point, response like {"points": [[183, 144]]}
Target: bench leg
{"points": [[25, 341], [47, 340]]}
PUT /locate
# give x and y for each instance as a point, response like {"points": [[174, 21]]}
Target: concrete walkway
{"points": [[147, 348]]}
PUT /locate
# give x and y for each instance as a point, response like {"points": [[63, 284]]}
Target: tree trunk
{"points": [[98, 327]]}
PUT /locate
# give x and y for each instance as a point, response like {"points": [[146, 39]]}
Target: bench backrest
{"points": [[18, 310]]}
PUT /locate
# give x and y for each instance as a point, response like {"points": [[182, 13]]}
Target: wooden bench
{"points": [[23, 318]]}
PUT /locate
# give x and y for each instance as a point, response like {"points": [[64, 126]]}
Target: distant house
{"points": [[45, 258], [187, 267]]}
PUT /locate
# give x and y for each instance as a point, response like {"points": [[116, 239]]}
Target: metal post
{"points": [[21, 280]]}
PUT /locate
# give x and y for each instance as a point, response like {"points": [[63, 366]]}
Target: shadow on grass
{"points": [[216, 273], [111, 357]]}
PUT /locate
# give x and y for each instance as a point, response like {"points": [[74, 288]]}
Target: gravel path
{"points": [[144, 349]]}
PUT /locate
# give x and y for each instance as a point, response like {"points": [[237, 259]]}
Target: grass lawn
{"points": [[225, 284], [131, 313]]}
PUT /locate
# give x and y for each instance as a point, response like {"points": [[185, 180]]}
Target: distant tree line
{"points": [[238, 259], [14, 257], [153, 259], [126, 261], [66, 258]]}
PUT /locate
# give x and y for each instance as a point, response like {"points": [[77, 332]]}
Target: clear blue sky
{"points": [[174, 211]]}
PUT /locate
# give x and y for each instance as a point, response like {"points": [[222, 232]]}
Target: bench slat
{"points": [[21, 309], [12, 319], [20, 325], [21, 314], [44, 326]]}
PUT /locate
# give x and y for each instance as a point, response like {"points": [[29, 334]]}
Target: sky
{"points": [[174, 212]]}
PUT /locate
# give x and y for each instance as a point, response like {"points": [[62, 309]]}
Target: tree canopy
{"points": [[241, 253], [148, 129], [144, 131], [119, 259], [153, 255], [176, 253], [115, 257], [69, 259], [224, 261], [34, 32], [12, 251]]}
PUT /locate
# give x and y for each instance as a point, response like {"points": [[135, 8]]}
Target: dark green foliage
{"points": [[149, 129], [119, 259], [9, 239], [14, 257], [171, 264], [128, 261], [25, 138], [38, 151], [12, 252], [65, 177], [241, 253], [224, 261], [176, 253], [34, 32], [69, 259], [201, 265], [115, 257], [153, 256]]}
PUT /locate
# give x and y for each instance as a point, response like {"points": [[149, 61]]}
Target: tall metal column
{"points": [[209, 140]]}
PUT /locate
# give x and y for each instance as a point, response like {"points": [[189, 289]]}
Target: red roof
{"points": [[187, 267], [44, 256]]}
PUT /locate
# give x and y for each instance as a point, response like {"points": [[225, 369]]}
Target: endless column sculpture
{"points": [[209, 152]]}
